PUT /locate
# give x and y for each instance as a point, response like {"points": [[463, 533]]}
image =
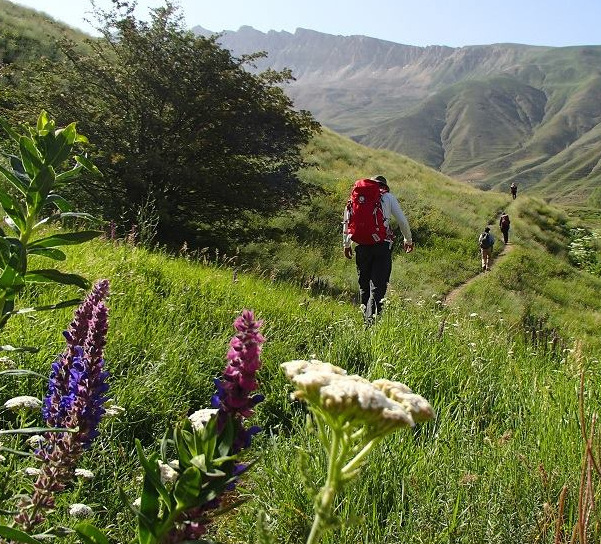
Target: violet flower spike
{"points": [[76, 397]]}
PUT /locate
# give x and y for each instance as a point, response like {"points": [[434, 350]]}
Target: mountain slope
{"points": [[487, 114]]}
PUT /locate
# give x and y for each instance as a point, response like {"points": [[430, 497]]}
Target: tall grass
{"points": [[489, 469]]}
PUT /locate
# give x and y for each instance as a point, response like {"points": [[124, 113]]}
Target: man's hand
{"points": [[408, 247], [348, 252]]}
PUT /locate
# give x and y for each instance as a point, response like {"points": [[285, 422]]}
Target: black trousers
{"points": [[374, 265], [505, 234]]}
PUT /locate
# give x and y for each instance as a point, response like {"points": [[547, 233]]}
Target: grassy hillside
{"points": [[489, 469], [27, 35]]}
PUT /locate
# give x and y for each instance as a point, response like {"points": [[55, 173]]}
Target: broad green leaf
{"points": [[90, 534], [62, 204], [30, 156], [15, 535], [188, 487], [8, 277], [14, 180], [69, 174], [152, 472], [64, 304], [88, 165], [79, 215], [41, 185], [69, 238], [13, 210], [50, 275], [62, 144], [50, 252], [42, 121]]}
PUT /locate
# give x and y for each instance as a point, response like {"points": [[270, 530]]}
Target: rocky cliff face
{"points": [[486, 114]]}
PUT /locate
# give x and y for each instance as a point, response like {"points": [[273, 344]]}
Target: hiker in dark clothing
{"points": [[374, 259], [514, 190], [504, 226], [486, 241]]}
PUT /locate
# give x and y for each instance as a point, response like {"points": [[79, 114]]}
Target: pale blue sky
{"points": [[414, 22]]}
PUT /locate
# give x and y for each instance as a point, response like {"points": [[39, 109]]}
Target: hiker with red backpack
{"points": [[504, 223], [367, 223]]}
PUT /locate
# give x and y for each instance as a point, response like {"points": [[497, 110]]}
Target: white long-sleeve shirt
{"points": [[390, 208]]}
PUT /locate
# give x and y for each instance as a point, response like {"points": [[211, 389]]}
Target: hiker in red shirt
{"points": [[367, 223]]}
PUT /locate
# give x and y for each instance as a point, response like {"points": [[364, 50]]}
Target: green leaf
{"points": [[70, 238], [88, 165], [15, 535], [50, 275], [187, 488], [42, 121], [8, 277], [13, 210], [151, 470], [63, 304], [60, 145], [50, 252], [59, 202], [22, 372], [69, 174], [90, 534], [14, 180], [41, 185], [38, 430], [17, 452], [30, 156], [21, 349]]}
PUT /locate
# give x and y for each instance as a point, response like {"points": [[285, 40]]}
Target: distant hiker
{"points": [[367, 223], [504, 226], [514, 190], [486, 241]]}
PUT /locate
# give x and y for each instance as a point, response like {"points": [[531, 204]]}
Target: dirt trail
{"points": [[450, 297]]}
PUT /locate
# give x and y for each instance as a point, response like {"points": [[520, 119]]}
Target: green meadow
{"points": [[500, 361]]}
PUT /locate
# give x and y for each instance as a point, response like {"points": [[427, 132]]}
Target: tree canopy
{"points": [[178, 122]]}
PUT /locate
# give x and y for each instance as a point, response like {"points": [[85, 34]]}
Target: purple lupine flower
{"points": [[75, 399], [239, 378], [233, 400]]}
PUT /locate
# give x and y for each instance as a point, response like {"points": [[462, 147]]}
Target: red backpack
{"points": [[366, 218]]}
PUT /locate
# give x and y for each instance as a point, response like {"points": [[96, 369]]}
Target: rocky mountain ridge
{"points": [[487, 114]]}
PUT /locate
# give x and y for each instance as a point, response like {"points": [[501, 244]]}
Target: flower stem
{"points": [[323, 502]]}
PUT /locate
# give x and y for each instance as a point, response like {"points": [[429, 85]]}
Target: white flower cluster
{"points": [[23, 402], [384, 405], [80, 511], [169, 473], [201, 417]]}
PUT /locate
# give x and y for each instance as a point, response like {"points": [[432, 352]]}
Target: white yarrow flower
{"points": [[2, 458], [81, 511], [36, 441], [201, 417], [112, 410], [32, 471], [25, 401], [84, 473], [168, 474], [137, 503]]}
